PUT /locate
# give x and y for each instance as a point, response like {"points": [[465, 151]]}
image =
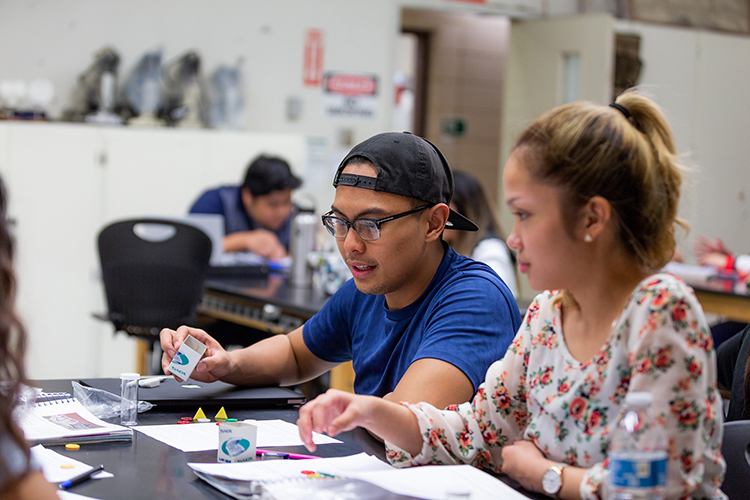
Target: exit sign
{"points": [[455, 127]]}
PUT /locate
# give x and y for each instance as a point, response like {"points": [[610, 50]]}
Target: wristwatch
{"points": [[552, 480]]}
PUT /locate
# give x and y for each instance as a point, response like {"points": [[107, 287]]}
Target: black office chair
{"points": [[153, 272], [734, 447]]}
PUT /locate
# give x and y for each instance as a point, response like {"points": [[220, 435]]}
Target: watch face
{"points": [[551, 482]]}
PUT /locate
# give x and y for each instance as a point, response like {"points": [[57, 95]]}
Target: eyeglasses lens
{"points": [[367, 229]]}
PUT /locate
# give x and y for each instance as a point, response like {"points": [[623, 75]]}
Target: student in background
{"points": [[20, 476], [715, 253], [488, 243], [258, 214], [418, 321], [734, 373], [594, 191]]}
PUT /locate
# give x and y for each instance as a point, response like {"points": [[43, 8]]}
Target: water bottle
{"points": [[638, 453], [304, 226]]}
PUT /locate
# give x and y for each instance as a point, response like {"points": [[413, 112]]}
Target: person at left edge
{"points": [[418, 320], [258, 214]]}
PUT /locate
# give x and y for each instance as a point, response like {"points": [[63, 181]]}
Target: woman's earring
{"points": [[588, 238]]}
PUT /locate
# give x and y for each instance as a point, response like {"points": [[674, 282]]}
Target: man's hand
{"points": [[259, 241], [215, 364]]}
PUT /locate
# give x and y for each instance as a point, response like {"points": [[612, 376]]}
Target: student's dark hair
{"points": [[269, 173], [471, 201], [626, 156], [12, 341]]}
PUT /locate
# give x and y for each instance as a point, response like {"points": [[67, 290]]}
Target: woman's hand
{"points": [[337, 411], [333, 412], [524, 462]]}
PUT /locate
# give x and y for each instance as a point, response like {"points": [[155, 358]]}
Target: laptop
{"points": [[173, 394], [222, 264], [213, 226]]}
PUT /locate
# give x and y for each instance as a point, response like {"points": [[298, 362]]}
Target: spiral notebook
{"points": [[57, 418]]}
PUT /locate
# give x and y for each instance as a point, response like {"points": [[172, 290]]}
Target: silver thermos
{"points": [[304, 227]]}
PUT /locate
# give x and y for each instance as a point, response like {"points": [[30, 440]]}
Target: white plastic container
{"points": [[129, 398]]}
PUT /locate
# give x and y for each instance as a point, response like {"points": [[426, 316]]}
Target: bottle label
{"points": [[638, 472]]}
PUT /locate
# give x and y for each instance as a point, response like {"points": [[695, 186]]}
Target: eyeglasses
{"points": [[367, 229]]}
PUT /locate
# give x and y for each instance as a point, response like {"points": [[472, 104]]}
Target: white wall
{"points": [[700, 80]]}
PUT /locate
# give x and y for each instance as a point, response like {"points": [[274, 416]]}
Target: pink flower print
{"points": [[480, 395], [577, 408], [661, 296], [644, 365], [546, 377], [680, 312], [533, 310], [563, 387], [490, 437], [695, 368], [663, 358]]}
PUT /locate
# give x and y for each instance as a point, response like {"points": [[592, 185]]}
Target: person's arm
{"points": [[258, 241], [433, 381], [278, 360], [337, 411], [495, 254], [525, 463], [711, 252], [32, 486]]}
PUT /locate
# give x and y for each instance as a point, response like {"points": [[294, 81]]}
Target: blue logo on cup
{"points": [[235, 447], [180, 359]]}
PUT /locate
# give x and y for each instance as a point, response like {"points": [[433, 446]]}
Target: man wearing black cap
{"points": [[419, 321], [258, 214]]}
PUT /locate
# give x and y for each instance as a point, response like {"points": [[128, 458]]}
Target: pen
{"points": [[80, 478], [292, 456]]}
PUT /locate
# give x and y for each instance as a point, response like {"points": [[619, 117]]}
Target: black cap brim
{"points": [[459, 222]]}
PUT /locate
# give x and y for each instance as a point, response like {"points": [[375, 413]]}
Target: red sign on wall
{"points": [[351, 84], [312, 70]]}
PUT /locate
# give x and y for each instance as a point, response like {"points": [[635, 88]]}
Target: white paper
{"points": [[66, 495], [67, 419], [52, 463], [202, 437], [274, 470], [433, 482]]}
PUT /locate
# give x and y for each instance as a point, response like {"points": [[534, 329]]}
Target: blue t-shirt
{"points": [[227, 201], [466, 317]]}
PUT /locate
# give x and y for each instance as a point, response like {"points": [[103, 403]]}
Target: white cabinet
{"points": [[65, 182]]}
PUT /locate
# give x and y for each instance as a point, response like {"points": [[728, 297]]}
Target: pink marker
{"points": [[292, 456]]}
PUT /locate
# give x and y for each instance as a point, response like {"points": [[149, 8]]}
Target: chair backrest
{"points": [[153, 272], [735, 450]]}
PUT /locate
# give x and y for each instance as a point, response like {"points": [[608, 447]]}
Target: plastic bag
{"points": [[101, 403]]}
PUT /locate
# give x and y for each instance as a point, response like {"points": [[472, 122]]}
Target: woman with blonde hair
{"points": [[20, 476], [594, 192], [488, 243]]}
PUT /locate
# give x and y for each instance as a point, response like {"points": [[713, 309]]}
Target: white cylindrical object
{"points": [[129, 398]]}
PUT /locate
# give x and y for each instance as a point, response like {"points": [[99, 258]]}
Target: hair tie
{"points": [[622, 109]]}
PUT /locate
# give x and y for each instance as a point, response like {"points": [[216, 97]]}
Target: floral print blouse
{"points": [[539, 392]]}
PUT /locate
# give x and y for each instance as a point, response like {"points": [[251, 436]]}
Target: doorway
{"points": [[457, 77]]}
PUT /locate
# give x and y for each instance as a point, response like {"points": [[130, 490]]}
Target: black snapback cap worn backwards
{"points": [[407, 165]]}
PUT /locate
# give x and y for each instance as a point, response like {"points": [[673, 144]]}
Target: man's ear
{"points": [[595, 216], [437, 216]]}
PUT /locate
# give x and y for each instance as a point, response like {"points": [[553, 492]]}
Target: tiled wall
{"points": [[465, 80]]}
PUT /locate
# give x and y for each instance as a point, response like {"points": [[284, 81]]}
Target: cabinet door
{"points": [[52, 179], [151, 172]]}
